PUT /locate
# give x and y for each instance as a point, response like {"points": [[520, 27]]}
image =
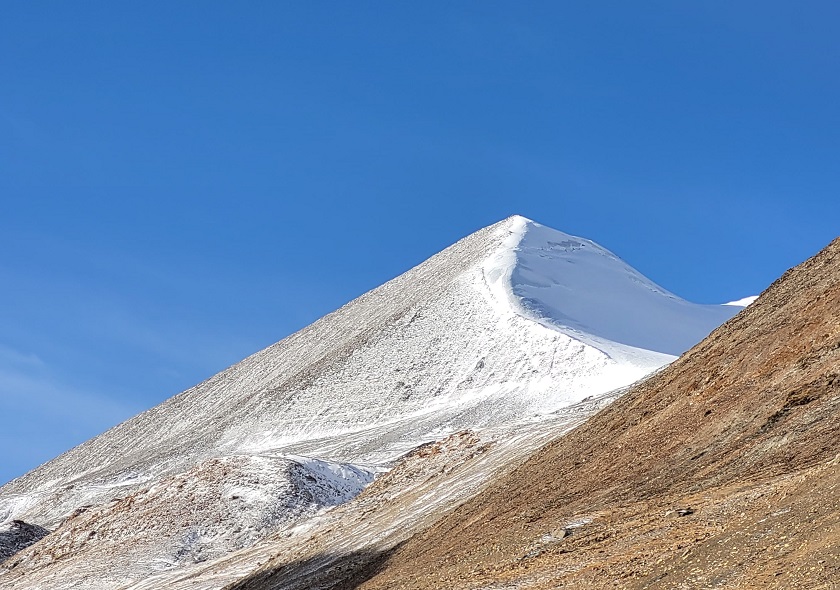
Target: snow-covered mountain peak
{"points": [[517, 219], [511, 325]]}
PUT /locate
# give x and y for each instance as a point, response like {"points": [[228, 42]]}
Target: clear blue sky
{"points": [[184, 183]]}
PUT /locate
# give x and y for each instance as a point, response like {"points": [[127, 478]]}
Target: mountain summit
{"points": [[512, 325], [589, 293]]}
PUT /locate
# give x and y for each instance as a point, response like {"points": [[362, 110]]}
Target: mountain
{"points": [[467, 362], [721, 471]]}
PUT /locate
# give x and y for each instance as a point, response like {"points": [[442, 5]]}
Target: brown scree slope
{"points": [[723, 471]]}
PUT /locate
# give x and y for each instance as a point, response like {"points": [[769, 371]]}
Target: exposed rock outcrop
{"points": [[17, 536]]}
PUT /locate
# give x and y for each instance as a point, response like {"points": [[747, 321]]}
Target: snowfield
{"points": [[514, 333], [587, 292]]}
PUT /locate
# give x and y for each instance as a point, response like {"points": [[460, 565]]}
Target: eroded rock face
{"points": [[17, 535]]}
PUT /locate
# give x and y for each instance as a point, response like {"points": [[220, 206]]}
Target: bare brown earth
{"points": [[723, 471]]}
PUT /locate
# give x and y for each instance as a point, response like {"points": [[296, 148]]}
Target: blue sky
{"points": [[182, 184]]}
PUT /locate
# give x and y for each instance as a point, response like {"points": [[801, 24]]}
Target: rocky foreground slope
{"points": [[485, 351], [722, 471]]}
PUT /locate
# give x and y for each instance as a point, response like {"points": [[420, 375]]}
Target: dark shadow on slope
{"points": [[321, 572], [18, 537]]}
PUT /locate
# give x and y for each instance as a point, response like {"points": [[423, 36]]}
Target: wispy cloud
{"points": [[10, 357], [43, 417], [20, 390]]}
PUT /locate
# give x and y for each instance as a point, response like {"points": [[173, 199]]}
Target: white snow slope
{"points": [[510, 324], [588, 293]]}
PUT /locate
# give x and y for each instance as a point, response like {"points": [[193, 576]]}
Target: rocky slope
{"points": [[326, 551], [721, 471]]}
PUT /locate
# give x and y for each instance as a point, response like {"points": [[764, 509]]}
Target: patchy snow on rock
{"points": [[219, 506]]}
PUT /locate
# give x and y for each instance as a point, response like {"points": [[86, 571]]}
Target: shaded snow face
{"points": [[589, 293]]}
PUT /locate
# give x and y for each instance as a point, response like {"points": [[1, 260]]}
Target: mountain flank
{"points": [[431, 387], [721, 471]]}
